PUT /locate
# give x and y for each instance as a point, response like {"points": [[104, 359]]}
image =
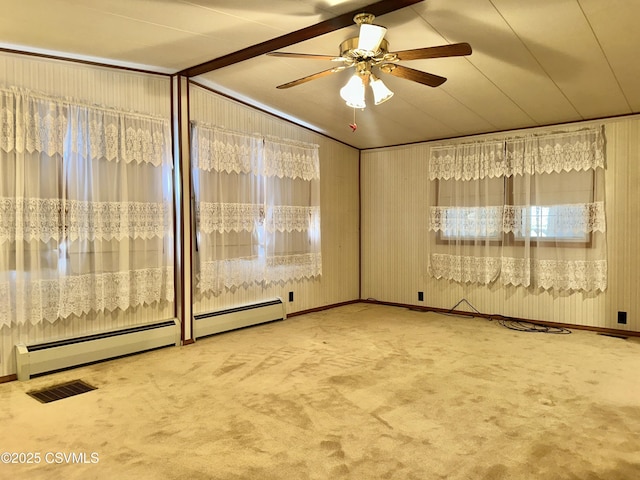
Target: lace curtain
{"points": [[257, 209], [529, 211], [229, 207], [85, 209], [292, 200]]}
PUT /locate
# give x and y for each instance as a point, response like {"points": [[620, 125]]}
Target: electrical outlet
{"points": [[622, 318], [421, 296], [291, 296]]}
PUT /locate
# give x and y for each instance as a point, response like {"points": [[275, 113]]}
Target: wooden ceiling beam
{"points": [[379, 8]]}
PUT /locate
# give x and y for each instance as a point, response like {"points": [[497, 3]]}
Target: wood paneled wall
{"points": [[339, 207], [395, 202], [388, 187], [623, 222], [117, 88], [339, 170], [99, 86]]}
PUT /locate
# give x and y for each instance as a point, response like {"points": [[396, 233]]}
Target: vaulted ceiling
{"points": [[534, 62]]}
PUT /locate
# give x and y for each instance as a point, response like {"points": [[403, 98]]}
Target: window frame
{"points": [[510, 239]]}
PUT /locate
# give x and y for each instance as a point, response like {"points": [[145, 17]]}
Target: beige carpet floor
{"points": [[361, 392]]}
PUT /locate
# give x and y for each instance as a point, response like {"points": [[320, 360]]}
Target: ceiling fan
{"points": [[370, 50]]}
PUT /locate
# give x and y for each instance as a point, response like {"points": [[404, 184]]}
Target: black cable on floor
{"points": [[513, 323], [464, 300], [528, 327]]}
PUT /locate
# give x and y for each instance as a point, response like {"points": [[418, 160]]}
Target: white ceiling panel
{"points": [[615, 24], [502, 57], [560, 38], [535, 62]]}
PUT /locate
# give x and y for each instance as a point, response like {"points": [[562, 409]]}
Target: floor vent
{"points": [[64, 390]]}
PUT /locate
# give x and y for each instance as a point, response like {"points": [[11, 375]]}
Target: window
{"points": [[257, 209], [545, 223], [86, 209], [556, 207], [527, 210], [470, 210]]}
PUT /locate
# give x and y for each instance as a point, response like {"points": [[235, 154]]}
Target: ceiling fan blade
{"points": [[310, 56], [454, 50], [308, 78], [412, 74]]}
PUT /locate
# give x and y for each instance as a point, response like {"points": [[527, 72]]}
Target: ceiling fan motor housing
{"points": [[349, 49]]}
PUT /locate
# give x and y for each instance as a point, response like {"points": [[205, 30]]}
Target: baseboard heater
{"points": [[238, 317], [74, 352]]}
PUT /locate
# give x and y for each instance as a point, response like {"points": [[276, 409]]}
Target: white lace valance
{"points": [[116, 220], [559, 221], [546, 153], [291, 160], [587, 275], [283, 268], [464, 269], [581, 150], [285, 218], [120, 136], [216, 275], [467, 161], [56, 219], [575, 275], [50, 299], [228, 217], [32, 124], [35, 123], [474, 222], [219, 150], [37, 219]]}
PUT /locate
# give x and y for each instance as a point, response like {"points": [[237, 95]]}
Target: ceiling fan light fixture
{"points": [[370, 38], [353, 92], [370, 50], [380, 91]]}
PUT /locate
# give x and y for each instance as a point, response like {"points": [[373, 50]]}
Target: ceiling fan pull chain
{"points": [[354, 125]]}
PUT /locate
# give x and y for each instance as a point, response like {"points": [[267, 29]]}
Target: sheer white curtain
{"points": [[229, 204], [466, 214], [257, 209], [555, 219], [292, 188], [528, 210], [31, 233], [85, 209]]}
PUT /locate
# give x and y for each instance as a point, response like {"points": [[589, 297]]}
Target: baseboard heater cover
{"points": [[238, 317], [73, 352]]}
